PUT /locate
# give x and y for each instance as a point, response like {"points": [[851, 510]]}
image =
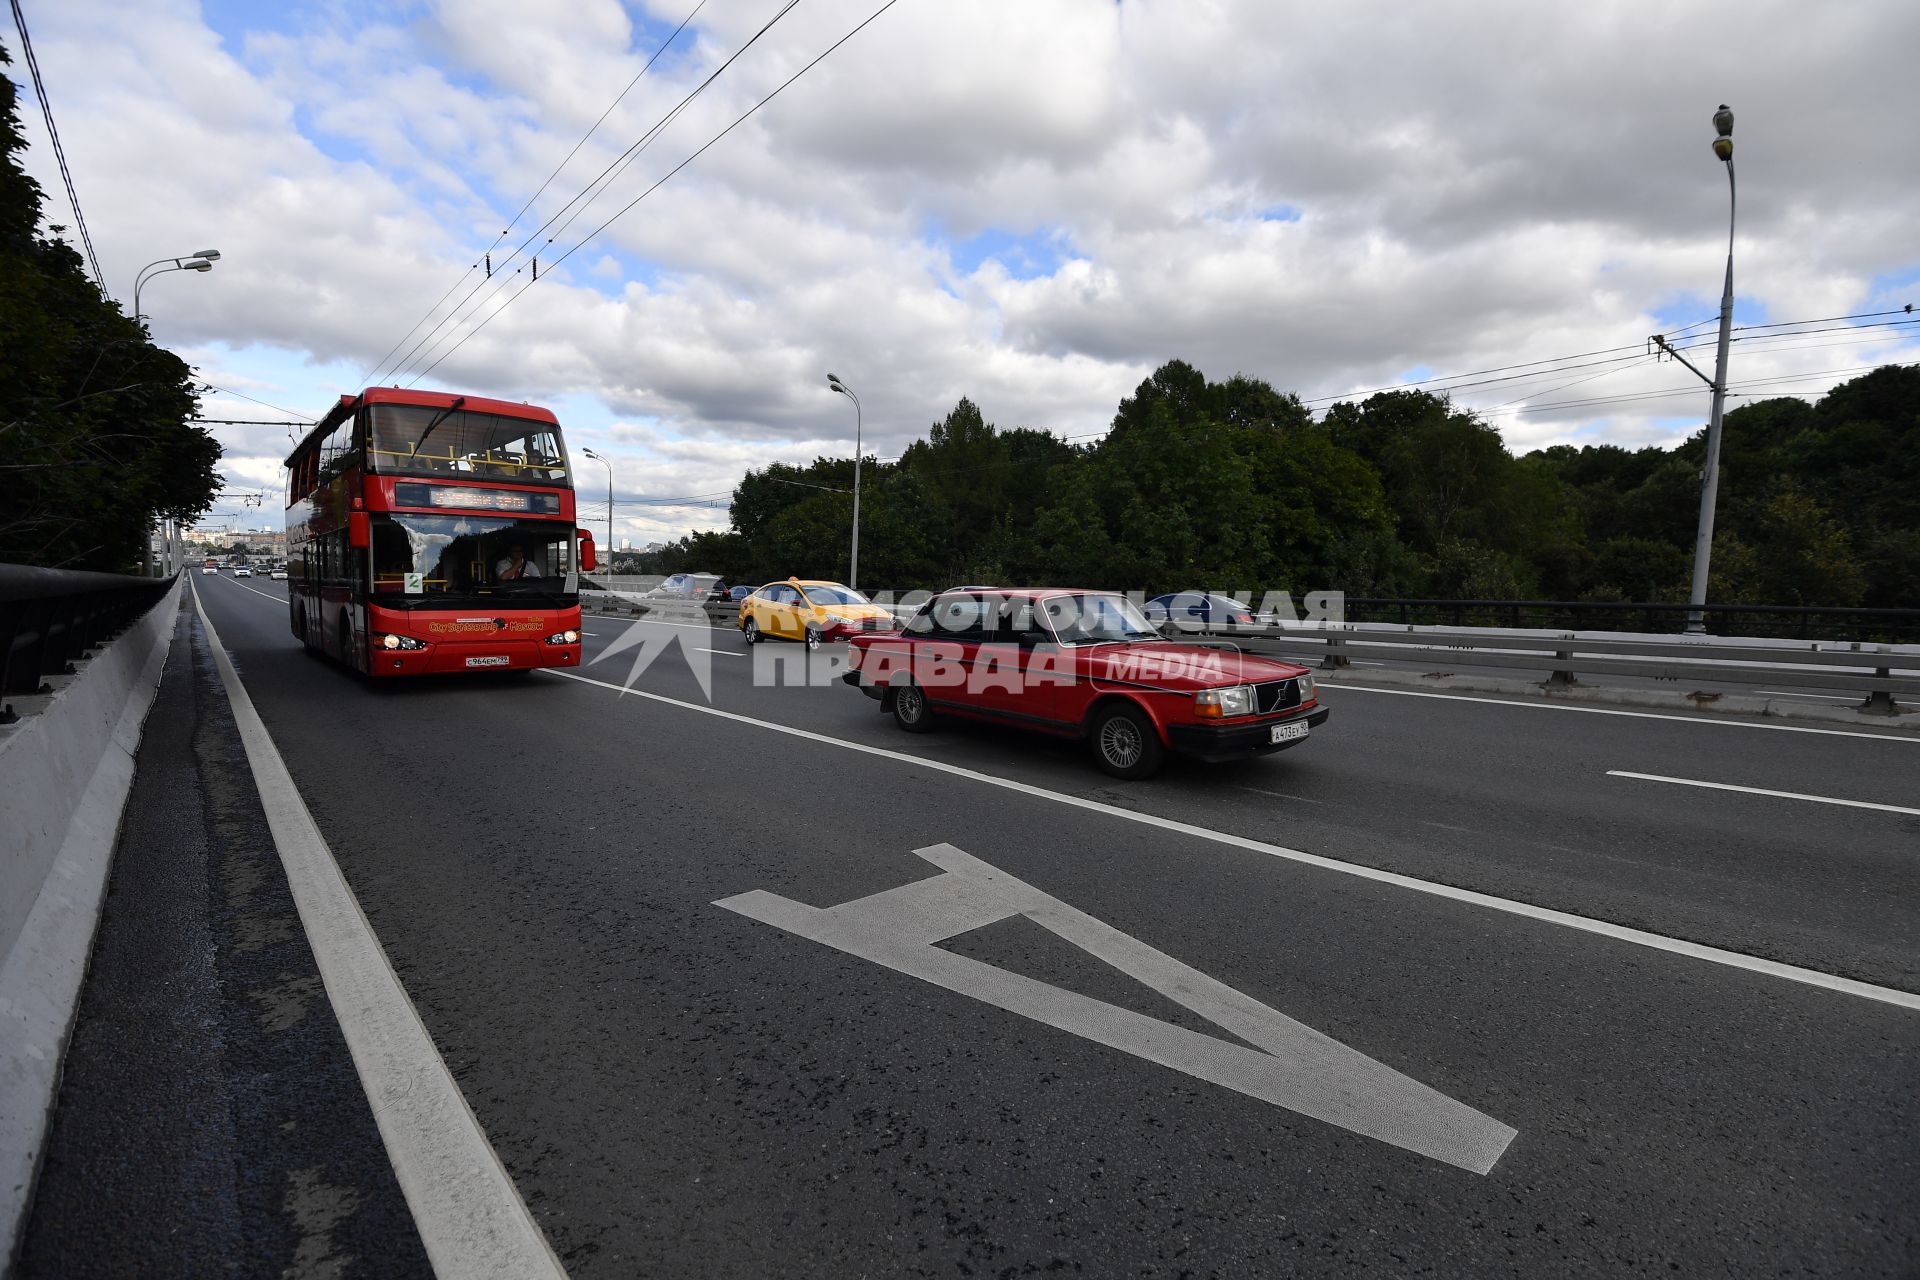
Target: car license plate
{"points": [[487, 662], [1286, 732]]}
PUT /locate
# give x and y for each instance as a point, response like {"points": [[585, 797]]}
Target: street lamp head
{"points": [[199, 265], [211, 255], [591, 454], [1723, 121]]}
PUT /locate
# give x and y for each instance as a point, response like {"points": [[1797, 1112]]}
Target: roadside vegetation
{"points": [[97, 438], [1233, 484]]}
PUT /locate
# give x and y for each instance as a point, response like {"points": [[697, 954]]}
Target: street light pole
{"points": [[201, 261], [1710, 481], [853, 569], [609, 466]]}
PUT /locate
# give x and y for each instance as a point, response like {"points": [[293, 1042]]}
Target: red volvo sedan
{"points": [[1086, 665]]}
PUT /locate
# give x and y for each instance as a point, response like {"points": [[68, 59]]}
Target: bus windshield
{"points": [[422, 440], [433, 560]]}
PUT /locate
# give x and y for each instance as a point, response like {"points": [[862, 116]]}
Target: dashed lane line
{"points": [[264, 595], [1726, 723], [1762, 791], [469, 1214], [1565, 919]]}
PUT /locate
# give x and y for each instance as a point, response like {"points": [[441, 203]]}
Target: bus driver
{"points": [[515, 566]]}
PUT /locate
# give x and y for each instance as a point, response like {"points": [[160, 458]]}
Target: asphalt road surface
{"points": [[1458, 987]]}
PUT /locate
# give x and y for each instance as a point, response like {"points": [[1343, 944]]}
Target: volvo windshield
{"points": [[440, 561]]}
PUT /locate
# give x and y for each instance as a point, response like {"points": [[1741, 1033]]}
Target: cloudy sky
{"points": [[1031, 203]]}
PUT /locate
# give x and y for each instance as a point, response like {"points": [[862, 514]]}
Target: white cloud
{"points": [[1475, 186]]}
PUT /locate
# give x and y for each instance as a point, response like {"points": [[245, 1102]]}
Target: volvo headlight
{"points": [[1213, 703], [1306, 687]]}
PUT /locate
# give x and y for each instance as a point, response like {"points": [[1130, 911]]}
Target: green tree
{"points": [[97, 441]]}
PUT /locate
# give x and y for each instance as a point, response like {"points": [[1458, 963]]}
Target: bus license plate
{"points": [[486, 662], [1287, 732]]}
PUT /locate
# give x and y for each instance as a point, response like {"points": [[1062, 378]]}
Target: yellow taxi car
{"points": [[810, 610]]}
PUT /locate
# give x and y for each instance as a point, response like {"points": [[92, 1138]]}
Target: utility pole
{"points": [[1710, 480]]}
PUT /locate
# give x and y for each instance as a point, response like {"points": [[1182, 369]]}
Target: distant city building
{"points": [[626, 544]]}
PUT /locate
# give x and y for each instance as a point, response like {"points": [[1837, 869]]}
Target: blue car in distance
{"points": [[1197, 610]]}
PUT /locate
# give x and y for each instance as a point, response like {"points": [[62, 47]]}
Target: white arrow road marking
{"points": [[1294, 1066]]}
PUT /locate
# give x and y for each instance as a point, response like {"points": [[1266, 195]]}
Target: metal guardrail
{"points": [[1800, 622], [1877, 672], [50, 618]]}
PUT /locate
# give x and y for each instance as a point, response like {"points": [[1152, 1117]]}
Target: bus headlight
{"points": [[391, 641], [564, 637]]}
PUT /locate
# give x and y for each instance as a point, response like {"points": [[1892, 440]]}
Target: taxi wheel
{"points": [[1124, 743], [751, 630], [813, 639], [909, 706]]}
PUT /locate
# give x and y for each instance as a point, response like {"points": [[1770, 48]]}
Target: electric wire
{"points": [[1455, 381], [590, 236], [59, 152], [472, 267], [228, 391], [585, 198]]}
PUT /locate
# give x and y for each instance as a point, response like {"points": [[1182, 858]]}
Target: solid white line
{"points": [[1762, 791], [1638, 715], [265, 595], [1566, 919], [469, 1214], [725, 653], [1824, 697]]}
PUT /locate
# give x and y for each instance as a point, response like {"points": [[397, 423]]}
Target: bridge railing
{"points": [[1878, 673], [51, 618], [1800, 622]]}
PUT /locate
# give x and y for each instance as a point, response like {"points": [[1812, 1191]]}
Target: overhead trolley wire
{"points": [[59, 152], [590, 236], [1454, 381], [588, 194], [664, 46]]}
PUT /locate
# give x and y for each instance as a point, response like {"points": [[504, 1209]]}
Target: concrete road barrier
{"points": [[65, 772]]}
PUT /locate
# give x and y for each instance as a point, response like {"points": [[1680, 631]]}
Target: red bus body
{"points": [[402, 516]]}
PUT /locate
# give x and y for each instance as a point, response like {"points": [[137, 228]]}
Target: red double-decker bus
{"points": [[430, 532]]}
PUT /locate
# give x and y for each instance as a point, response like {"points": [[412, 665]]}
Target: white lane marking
{"points": [[1566, 919], [265, 595], [653, 622], [470, 1216], [725, 653], [1279, 795], [1291, 1066], [1824, 697], [1725, 723], [1762, 791]]}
